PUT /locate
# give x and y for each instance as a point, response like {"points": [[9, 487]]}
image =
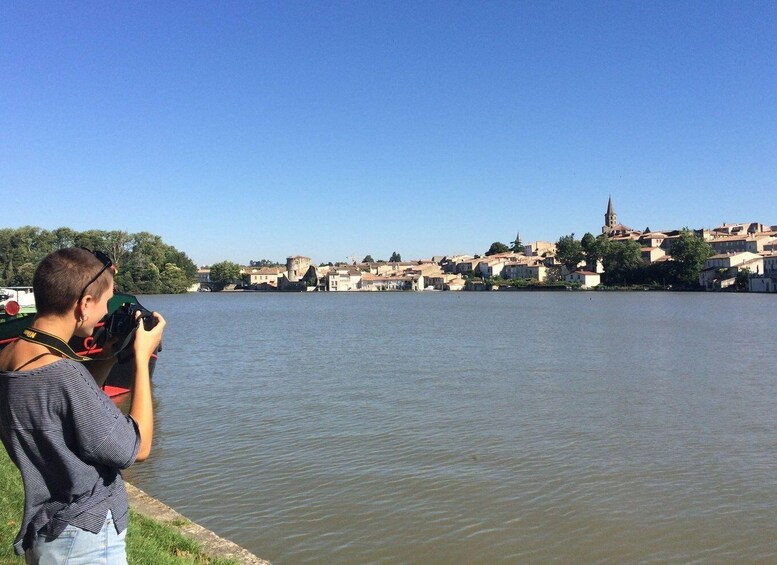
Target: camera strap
{"points": [[52, 342]]}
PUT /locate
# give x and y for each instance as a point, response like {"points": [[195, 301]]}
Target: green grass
{"points": [[11, 502], [156, 543], [148, 541]]}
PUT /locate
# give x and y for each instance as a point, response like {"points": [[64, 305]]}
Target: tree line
{"points": [[395, 258], [146, 265]]}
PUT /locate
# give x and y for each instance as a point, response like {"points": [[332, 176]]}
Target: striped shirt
{"points": [[69, 441]]}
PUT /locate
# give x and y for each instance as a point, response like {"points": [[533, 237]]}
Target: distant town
{"points": [[731, 257]]}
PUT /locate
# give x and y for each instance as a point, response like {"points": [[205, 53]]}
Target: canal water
{"points": [[521, 427]]}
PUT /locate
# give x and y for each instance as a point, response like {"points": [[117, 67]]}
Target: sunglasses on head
{"points": [[107, 264]]}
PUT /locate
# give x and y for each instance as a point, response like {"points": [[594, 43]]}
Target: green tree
{"points": [[742, 282], [148, 279], [20, 248], [139, 257], [6, 260], [264, 263], [93, 239], [587, 241], [140, 270], [395, 258], [149, 246], [623, 263], [368, 259], [594, 248], [497, 247], [23, 275], [118, 245], [516, 246], [689, 252], [173, 279], [182, 261], [29, 245], [64, 237], [224, 273], [569, 251]]}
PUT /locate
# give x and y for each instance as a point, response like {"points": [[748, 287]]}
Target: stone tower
{"points": [[296, 267], [610, 219]]}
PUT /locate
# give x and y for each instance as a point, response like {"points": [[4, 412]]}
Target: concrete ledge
{"points": [[210, 542]]}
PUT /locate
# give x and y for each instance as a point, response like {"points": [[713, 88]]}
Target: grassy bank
{"points": [[148, 541]]}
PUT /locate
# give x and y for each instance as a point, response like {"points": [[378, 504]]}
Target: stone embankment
{"points": [[210, 542]]}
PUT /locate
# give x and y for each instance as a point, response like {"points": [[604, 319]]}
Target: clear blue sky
{"points": [[251, 130]]}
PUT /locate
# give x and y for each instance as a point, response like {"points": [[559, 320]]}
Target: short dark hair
{"points": [[62, 275]]}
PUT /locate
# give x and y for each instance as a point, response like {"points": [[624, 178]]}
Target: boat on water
{"points": [[111, 356], [22, 296]]}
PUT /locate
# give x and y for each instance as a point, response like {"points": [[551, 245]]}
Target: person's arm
{"points": [[141, 409]]}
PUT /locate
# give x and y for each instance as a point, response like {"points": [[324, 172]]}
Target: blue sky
{"points": [[251, 130]]}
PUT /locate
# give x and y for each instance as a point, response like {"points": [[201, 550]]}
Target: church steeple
{"points": [[517, 245], [610, 219]]}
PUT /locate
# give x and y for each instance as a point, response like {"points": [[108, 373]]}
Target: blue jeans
{"points": [[75, 546]]}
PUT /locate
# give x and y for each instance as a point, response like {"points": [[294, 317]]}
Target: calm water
{"points": [[471, 427]]}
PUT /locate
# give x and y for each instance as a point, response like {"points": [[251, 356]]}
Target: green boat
{"points": [[112, 361]]}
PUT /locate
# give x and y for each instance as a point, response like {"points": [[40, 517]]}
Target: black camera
{"points": [[123, 322]]}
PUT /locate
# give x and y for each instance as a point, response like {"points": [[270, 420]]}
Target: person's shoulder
{"points": [[62, 366], [58, 378], [73, 373]]}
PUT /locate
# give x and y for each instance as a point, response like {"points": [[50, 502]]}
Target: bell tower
{"points": [[610, 218]]}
